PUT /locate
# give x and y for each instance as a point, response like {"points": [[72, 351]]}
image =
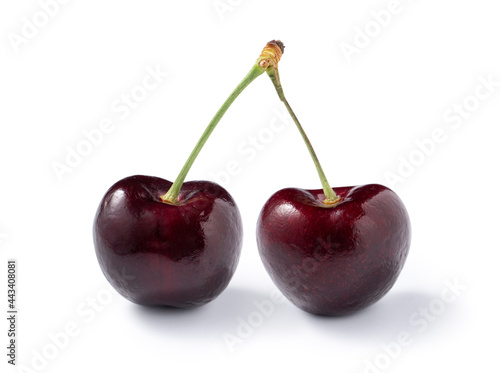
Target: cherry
{"points": [[332, 251], [334, 260], [156, 253]]}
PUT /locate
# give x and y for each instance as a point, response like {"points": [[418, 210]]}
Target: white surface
{"points": [[362, 116]]}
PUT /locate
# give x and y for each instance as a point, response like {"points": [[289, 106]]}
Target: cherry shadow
{"points": [[380, 322], [208, 321]]}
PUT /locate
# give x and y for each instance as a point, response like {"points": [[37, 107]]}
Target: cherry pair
{"points": [[330, 251]]}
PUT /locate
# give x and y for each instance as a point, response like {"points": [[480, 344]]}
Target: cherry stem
{"points": [[173, 193], [331, 197]]}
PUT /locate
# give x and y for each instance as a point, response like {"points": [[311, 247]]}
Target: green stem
{"points": [[330, 197], [172, 195]]}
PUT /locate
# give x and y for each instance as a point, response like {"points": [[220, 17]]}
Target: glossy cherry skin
{"points": [[160, 254], [334, 260]]}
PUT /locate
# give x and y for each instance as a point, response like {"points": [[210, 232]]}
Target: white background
{"points": [[364, 115]]}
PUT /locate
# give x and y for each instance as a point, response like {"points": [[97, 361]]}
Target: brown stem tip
{"points": [[271, 54], [280, 44]]}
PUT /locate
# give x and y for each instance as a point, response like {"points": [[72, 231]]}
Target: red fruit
{"points": [[156, 253], [334, 260]]}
